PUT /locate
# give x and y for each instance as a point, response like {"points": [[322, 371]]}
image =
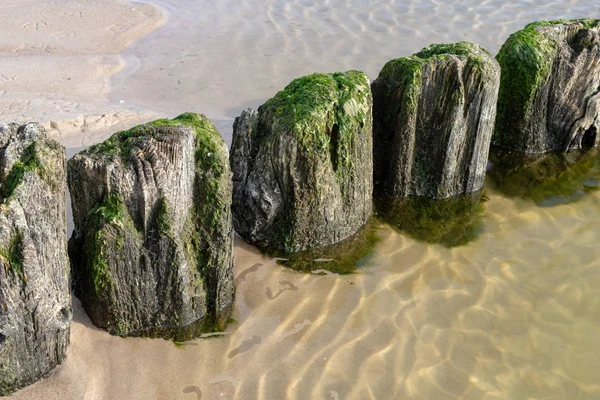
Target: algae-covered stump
{"points": [[152, 249], [302, 164], [433, 118], [35, 300], [550, 87]]}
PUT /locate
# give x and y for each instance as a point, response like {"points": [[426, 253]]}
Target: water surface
{"points": [[513, 315]]}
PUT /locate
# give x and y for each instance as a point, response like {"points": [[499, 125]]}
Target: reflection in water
{"points": [[340, 258], [451, 222], [548, 180]]}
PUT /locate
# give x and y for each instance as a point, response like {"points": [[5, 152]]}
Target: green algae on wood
{"points": [[477, 57], [309, 107], [12, 256], [28, 162], [526, 61], [153, 241], [98, 239], [550, 76], [323, 112], [433, 117], [302, 164], [549, 179]]}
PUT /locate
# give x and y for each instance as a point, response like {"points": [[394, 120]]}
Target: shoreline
{"points": [[419, 320], [79, 47]]}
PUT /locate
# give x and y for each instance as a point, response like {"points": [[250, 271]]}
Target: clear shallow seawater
{"points": [[219, 57], [513, 315]]}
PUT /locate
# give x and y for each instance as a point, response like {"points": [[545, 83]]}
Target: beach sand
{"points": [[513, 315], [57, 58]]}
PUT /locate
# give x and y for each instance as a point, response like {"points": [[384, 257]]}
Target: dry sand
{"points": [[515, 315], [56, 60]]}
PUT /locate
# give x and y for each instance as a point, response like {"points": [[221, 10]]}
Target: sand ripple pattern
{"points": [[512, 316], [218, 57]]}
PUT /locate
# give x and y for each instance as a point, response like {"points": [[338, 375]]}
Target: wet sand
{"points": [[57, 58], [513, 315]]}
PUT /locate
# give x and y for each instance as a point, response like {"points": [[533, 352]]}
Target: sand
{"points": [[56, 60], [514, 315]]}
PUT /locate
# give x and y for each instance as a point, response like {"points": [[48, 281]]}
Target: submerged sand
{"points": [[511, 316], [514, 315]]}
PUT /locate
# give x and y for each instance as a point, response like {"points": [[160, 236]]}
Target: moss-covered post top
{"points": [[308, 105], [527, 56], [406, 69], [529, 59], [120, 143]]}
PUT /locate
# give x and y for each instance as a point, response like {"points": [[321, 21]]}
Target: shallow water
{"points": [[218, 57], [512, 315]]}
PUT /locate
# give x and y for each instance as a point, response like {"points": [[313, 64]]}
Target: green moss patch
{"points": [[551, 179], [323, 112], [28, 162], [12, 256], [450, 222], [525, 60], [110, 212], [163, 218], [305, 105], [407, 73], [206, 222], [121, 143], [344, 257], [477, 57]]}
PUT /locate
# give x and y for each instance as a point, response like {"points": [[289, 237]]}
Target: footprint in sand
{"points": [[193, 389], [246, 345], [242, 276], [288, 286], [297, 328]]}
